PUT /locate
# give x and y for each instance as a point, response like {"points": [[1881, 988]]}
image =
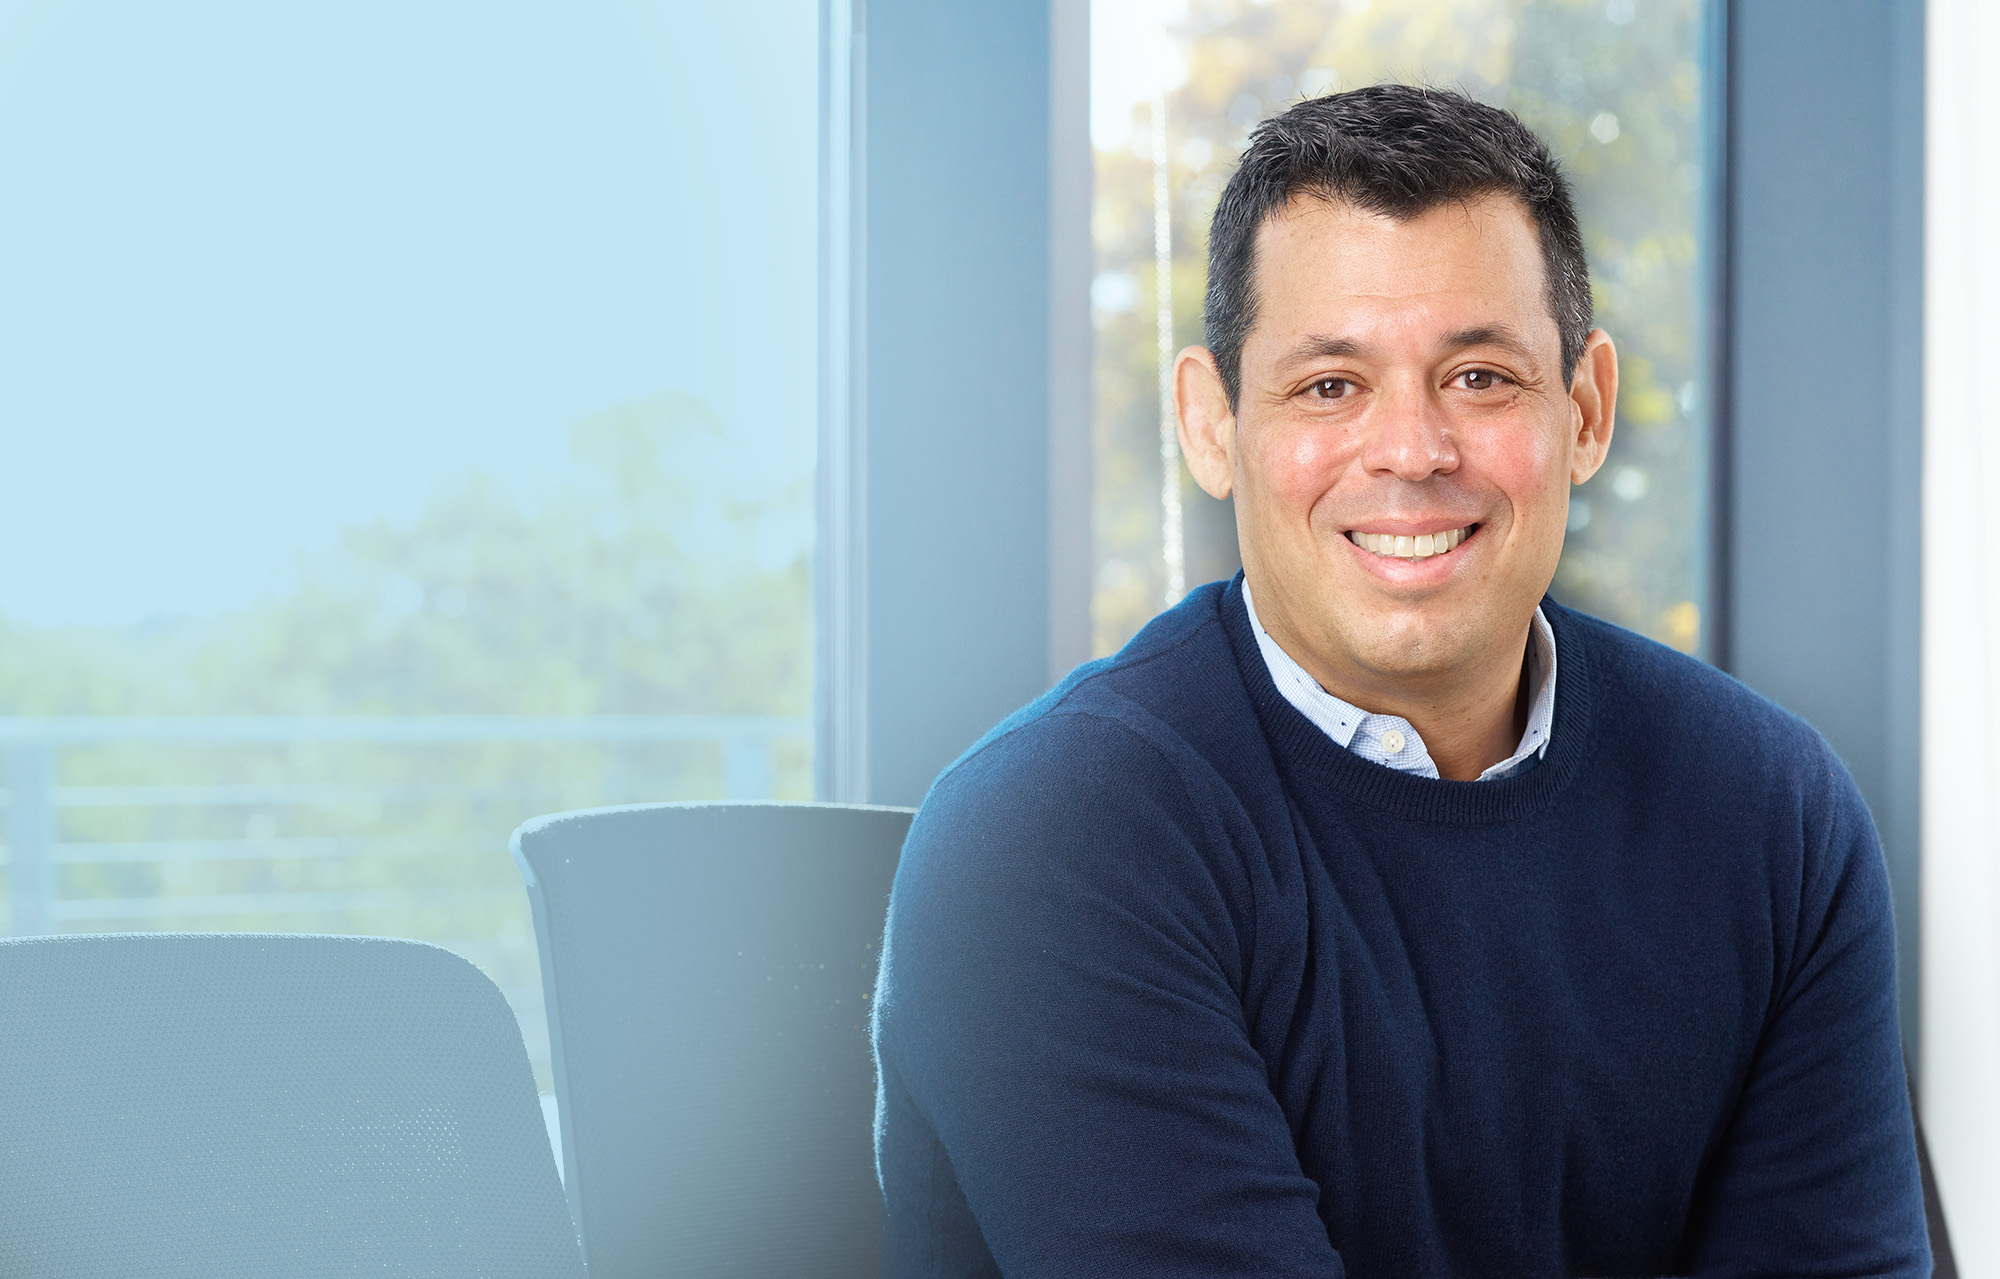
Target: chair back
{"points": [[217, 1106], [708, 970]]}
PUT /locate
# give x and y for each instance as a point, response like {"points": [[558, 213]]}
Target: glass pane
{"points": [[390, 448], [1614, 86]]}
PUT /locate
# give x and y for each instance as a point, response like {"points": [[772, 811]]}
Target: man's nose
{"points": [[1409, 435]]}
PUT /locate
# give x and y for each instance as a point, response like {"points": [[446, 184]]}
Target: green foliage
{"points": [[1615, 89], [631, 588]]}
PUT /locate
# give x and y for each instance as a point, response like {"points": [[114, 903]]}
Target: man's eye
{"points": [[1331, 388], [1480, 379]]}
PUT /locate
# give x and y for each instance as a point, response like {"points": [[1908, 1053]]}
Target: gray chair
{"points": [[218, 1106], [708, 969]]}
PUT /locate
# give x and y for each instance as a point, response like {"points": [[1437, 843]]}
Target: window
{"points": [[407, 419], [1616, 88]]}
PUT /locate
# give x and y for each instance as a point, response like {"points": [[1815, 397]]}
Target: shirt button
{"points": [[1392, 741]]}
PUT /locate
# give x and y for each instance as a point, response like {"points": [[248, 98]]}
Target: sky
{"points": [[268, 271]]}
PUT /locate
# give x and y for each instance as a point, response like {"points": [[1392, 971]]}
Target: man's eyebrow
{"points": [[1318, 346], [1488, 335]]}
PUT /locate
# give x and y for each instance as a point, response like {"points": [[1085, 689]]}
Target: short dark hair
{"points": [[1398, 150]]}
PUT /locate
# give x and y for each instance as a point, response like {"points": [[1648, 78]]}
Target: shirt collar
{"points": [[1373, 736]]}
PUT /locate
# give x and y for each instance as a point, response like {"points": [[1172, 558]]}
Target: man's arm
{"points": [[1061, 1034], [1816, 1173]]}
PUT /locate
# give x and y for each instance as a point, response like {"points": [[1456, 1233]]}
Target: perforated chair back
{"points": [[218, 1106], [707, 969]]}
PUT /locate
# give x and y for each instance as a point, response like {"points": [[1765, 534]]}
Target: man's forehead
{"points": [[1456, 267], [1309, 347]]}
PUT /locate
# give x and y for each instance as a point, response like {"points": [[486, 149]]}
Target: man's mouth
{"points": [[1397, 547]]}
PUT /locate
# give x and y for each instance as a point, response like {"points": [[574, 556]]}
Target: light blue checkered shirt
{"points": [[1389, 739]]}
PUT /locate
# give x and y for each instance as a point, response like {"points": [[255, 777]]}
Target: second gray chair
{"points": [[708, 969]]}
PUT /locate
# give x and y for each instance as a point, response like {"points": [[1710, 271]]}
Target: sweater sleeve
{"points": [[1067, 1083], [1816, 1172]]}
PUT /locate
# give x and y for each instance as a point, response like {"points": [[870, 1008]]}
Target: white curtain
{"points": [[1960, 1086]]}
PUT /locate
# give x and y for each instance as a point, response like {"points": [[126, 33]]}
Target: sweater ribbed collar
{"points": [[1314, 760]]}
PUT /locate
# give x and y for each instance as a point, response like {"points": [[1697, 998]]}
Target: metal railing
{"points": [[40, 803]]}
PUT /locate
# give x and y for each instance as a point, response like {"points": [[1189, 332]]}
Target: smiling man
{"points": [[1373, 914]]}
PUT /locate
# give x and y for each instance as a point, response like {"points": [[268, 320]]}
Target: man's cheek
{"points": [[1301, 465], [1532, 474]]}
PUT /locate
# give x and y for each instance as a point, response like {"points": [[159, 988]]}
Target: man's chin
{"points": [[1408, 667], [1412, 647]]}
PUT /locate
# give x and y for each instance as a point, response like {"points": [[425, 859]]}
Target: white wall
{"points": [[1960, 1087]]}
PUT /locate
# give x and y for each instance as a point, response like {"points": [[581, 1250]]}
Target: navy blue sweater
{"points": [[1174, 985]]}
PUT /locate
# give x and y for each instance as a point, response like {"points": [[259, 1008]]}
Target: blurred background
{"points": [[401, 436], [415, 418]]}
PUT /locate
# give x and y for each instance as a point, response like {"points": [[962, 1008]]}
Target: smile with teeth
{"points": [[1422, 547]]}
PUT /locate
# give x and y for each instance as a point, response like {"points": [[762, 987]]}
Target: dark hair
{"points": [[1401, 151]]}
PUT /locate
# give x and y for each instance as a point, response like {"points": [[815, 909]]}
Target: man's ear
{"points": [[1207, 427], [1593, 395]]}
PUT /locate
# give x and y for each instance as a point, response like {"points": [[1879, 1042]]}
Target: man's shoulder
{"points": [[1122, 710], [1133, 737], [1681, 714], [1097, 789]]}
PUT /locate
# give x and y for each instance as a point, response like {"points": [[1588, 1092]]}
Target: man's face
{"points": [[1405, 438]]}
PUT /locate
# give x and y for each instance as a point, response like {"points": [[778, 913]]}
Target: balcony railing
{"points": [[40, 801]]}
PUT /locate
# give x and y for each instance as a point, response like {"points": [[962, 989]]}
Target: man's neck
{"points": [[1469, 720]]}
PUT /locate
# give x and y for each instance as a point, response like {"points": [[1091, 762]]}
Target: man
{"points": [[1373, 914]]}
